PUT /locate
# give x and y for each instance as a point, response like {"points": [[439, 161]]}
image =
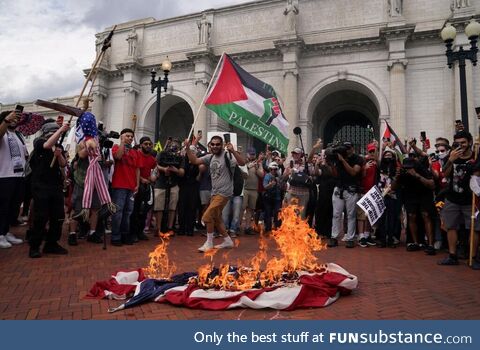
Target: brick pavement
{"points": [[394, 284]]}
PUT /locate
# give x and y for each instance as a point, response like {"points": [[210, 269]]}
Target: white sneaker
{"points": [[227, 243], [12, 239], [4, 243], [437, 245], [206, 247]]}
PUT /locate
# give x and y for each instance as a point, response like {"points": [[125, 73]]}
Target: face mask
{"points": [[442, 155]]}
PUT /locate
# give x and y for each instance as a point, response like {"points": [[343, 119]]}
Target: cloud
{"points": [[46, 44]]}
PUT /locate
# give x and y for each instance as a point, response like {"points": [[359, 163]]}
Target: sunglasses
{"points": [[215, 144]]}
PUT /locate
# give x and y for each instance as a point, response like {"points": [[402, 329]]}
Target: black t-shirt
{"points": [[191, 173], [163, 181], [44, 176], [344, 179], [459, 186], [412, 188]]}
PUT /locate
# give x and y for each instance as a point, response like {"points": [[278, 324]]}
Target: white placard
{"points": [[372, 204], [210, 134]]}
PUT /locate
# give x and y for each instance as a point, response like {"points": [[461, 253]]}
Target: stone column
{"points": [[398, 98], [128, 107], [291, 49], [97, 106]]}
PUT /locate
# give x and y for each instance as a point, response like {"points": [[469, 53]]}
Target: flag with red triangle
{"points": [[248, 103], [389, 138]]}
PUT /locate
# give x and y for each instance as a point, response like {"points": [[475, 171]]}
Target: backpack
{"points": [[238, 181]]}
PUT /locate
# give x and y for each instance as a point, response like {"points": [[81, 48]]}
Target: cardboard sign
{"points": [[372, 204]]}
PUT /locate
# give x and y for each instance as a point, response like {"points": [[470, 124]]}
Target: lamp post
{"points": [[158, 84], [448, 34]]}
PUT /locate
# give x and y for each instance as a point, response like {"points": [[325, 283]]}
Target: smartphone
{"points": [[19, 108], [455, 145], [291, 164], [199, 133], [423, 135], [226, 138]]}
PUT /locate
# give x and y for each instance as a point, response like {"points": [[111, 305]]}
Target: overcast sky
{"points": [[46, 44]]}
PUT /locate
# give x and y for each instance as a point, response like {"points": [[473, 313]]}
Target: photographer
{"points": [[170, 167], [347, 167], [299, 181], [416, 184], [458, 199], [125, 181]]}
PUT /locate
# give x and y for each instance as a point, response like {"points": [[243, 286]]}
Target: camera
{"points": [[170, 156], [104, 137], [333, 150]]}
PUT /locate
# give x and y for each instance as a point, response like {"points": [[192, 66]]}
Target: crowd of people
{"points": [[218, 190]]}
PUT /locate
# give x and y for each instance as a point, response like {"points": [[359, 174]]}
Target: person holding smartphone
{"points": [[13, 154], [458, 200]]}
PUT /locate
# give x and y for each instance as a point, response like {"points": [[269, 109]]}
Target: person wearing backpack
{"points": [[13, 154], [232, 213], [221, 170]]}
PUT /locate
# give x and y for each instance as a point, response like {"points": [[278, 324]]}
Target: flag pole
{"points": [[205, 96]]}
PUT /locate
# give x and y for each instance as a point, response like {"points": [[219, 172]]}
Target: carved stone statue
{"points": [[291, 11], [395, 8], [132, 43], [458, 4], [203, 30]]}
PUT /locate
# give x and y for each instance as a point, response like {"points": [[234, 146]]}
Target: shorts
{"points": [[250, 199], [422, 204], [159, 199], [77, 198], [454, 215], [205, 197], [213, 214], [361, 216]]}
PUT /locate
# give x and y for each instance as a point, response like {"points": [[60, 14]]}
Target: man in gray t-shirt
{"points": [[222, 187]]}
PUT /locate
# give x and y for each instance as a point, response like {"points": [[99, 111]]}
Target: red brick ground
{"points": [[394, 284]]}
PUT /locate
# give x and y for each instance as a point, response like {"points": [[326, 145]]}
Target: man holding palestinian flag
{"points": [[247, 103], [390, 139]]}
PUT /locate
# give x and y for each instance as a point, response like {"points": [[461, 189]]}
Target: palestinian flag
{"points": [[390, 139], [247, 103]]}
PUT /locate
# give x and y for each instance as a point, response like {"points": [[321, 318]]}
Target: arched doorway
{"points": [[176, 119], [346, 114]]}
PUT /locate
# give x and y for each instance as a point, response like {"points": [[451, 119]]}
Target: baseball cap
{"points": [[371, 147], [297, 150], [251, 150], [273, 165], [348, 144], [50, 127]]}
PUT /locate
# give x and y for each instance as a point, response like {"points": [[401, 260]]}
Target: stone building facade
{"points": [[337, 66]]}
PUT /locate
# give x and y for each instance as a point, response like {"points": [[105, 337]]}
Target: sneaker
{"points": [[449, 261], [413, 247], [430, 250], [437, 245], [4, 243], [370, 241], [94, 238], [206, 247], [332, 242], [349, 244], [363, 243], [227, 243], [12, 239], [232, 234], [142, 237], [54, 248], [34, 253], [72, 239], [396, 241]]}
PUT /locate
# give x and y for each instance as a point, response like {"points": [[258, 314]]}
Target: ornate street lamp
{"points": [[448, 35], [158, 84]]}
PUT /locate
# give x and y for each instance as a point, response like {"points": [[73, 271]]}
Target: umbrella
{"points": [[30, 123]]}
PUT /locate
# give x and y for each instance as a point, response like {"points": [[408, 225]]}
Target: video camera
{"points": [[104, 137], [170, 156], [333, 150]]}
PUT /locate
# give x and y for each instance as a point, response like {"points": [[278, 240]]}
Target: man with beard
{"points": [[222, 168], [143, 198], [13, 155], [458, 199]]}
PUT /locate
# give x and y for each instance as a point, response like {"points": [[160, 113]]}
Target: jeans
{"points": [[389, 224], [232, 210], [124, 200], [350, 201], [271, 207]]}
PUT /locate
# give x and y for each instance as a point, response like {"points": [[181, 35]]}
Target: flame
{"points": [[160, 265], [296, 243]]}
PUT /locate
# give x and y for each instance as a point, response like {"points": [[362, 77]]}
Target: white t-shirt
{"points": [[7, 167]]}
